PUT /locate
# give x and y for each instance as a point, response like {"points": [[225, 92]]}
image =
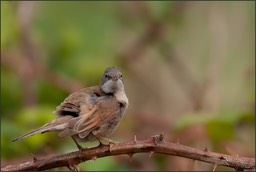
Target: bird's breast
{"points": [[122, 98]]}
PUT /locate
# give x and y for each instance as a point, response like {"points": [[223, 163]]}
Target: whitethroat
{"points": [[91, 113]]}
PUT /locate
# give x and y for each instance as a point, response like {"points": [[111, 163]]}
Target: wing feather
{"points": [[105, 108], [80, 101]]}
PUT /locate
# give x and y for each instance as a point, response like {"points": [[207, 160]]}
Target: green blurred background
{"points": [[189, 71]]}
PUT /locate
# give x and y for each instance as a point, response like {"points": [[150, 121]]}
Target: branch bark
{"points": [[154, 145]]}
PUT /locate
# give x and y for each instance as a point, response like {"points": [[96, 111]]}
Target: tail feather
{"points": [[41, 130]]}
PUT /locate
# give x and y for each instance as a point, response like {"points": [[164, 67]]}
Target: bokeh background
{"points": [[189, 71]]}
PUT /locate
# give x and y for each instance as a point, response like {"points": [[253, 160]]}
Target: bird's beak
{"points": [[114, 78]]}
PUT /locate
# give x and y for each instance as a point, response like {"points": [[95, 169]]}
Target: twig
{"points": [[156, 144]]}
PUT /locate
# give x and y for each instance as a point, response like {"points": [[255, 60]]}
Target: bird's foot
{"points": [[79, 146], [108, 140], [100, 143], [111, 142]]}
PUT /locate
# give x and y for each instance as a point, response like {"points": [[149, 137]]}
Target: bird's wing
{"points": [[105, 108], [83, 98], [77, 105]]}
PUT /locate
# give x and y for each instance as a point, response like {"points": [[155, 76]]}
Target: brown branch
{"points": [[154, 145]]}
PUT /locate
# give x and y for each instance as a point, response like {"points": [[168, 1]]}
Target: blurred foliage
{"points": [[220, 127], [226, 117], [28, 118], [9, 26], [9, 94], [102, 164], [79, 40]]}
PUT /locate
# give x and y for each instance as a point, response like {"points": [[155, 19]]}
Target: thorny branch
{"points": [[154, 145]]}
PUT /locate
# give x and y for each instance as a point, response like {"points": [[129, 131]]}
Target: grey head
{"points": [[112, 80]]}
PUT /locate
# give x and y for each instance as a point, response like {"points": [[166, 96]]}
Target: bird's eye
{"points": [[106, 76], [121, 75]]}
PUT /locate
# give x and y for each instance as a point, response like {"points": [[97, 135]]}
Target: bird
{"points": [[90, 114]]}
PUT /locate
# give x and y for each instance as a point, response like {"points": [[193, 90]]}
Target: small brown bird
{"points": [[91, 113]]}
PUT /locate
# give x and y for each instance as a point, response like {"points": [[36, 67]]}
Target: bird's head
{"points": [[112, 80]]}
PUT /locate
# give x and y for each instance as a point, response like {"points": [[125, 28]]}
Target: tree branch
{"points": [[154, 145]]}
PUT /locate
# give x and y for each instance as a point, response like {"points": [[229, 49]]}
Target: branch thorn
{"points": [[150, 153], [214, 167], [178, 141], [34, 158], [94, 158], [135, 139], [72, 167], [224, 158], [130, 157], [205, 149]]}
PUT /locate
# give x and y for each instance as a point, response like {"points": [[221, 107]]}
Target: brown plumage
{"points": [[91, 113]]}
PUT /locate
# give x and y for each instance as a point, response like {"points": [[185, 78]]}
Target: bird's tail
{"points": [[45, 128]]}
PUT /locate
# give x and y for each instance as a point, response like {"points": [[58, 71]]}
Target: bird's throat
{"points": [[121, 97]]}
